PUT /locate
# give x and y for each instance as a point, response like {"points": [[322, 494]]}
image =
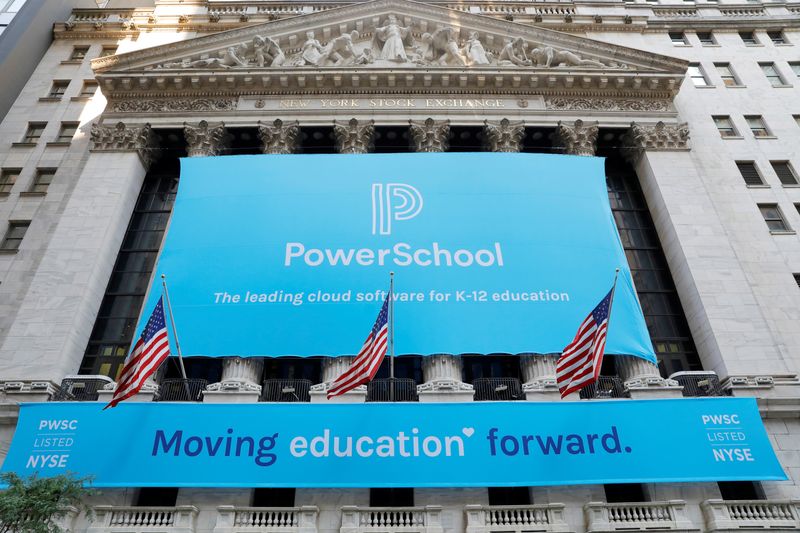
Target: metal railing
{"points": [[497, 389], [606, 387], [181, 390], [286, 390], [699, 383], [80, 388], [392, 390]]}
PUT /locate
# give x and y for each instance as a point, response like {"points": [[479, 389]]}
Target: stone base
{"points": [[649, 393], [546, 395], [104, 396], [320, 395], [446, 396], [231, 396]]}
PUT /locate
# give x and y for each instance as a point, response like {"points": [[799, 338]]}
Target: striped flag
{"points": [[369, 359], [150, 351], [580, 362]]}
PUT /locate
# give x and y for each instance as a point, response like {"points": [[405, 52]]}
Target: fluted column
{"points": [[354, 136], [206, 139], [539, 373], [429, 135], [332, 368], [279, 137], [643, 380], [503, 135], [579, 138]]}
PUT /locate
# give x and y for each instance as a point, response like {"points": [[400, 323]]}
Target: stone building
{"points": [[694, 104]]}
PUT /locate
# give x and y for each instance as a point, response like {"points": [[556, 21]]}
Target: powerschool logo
{"points": [[391, 203]]}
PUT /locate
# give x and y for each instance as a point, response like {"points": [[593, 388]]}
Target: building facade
{"points": [[694, 105]]}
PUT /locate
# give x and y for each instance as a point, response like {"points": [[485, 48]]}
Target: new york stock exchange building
{"points": [[270, 162]]}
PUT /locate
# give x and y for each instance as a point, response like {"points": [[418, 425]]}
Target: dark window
{"points": [[43, 179], [157, 497], [88, 89], [391, 497], [749, 173], [757, 125], [677, 37], [67, 132], [741, 490], [509, 496], [108, 51], [784, 172], [273, 497], [626, 492], [34, 132], [725, 126], [58, 89], [797, 276], [776, 37], [79, 53], [14, 235], [8, 177], [748, 37], [773, 216], [706, 38]]}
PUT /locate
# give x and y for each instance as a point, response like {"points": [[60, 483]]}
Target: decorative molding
{"points": [[503, 136], [205, 140], [279, 138], [563, 103], [354, 136], [429, 135], [171, 105], [659, 137], [121, 138], [578, 139], [445, 385]]}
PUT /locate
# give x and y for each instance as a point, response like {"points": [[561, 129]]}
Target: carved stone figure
{"points": [[230, 57], [267, 53], [312, 50], [547, 56], [390, 41], [339, 51], [474, 52], [513, 53], [443, 48]]}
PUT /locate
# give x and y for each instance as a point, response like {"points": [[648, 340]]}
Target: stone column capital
{"points": [[123, 138], [503, 135], [354, 136], [429, 135], [658, 137], [205, 139], [279, 137], [579, 138]]}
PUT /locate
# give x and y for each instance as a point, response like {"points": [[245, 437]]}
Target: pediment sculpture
{"points": [[390, 44]]}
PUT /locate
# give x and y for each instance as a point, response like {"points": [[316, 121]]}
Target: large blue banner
{"points": [[396, 444], [493, 253]]}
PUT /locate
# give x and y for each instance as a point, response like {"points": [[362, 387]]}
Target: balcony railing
{"points": [[781, 515], [286, 390], [639, 516], [515, 518], [80, 388], [392, 519], [181, 390], [392, 390], [606, 388], [699, 383], [497, 389], [181, 519], [266, 519]]}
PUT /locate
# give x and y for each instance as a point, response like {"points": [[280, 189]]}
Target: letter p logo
{"points": [[393, 201]]}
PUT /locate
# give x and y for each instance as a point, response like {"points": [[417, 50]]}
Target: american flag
{"points": [[580, 362], [150, 351], [366, 363]]}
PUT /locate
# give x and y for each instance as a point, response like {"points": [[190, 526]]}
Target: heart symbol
{"points": [[468, 431]]}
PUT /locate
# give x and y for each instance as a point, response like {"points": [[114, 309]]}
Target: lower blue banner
{"points": [[396, 444]]}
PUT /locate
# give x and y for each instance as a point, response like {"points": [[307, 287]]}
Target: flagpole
{"points": [[391, 336], [175, 334]]}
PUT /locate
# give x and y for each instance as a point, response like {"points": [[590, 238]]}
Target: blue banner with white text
{"points": [[276, 255], [396, 444]]}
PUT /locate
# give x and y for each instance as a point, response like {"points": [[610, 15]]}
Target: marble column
{"points": [[206, 139], [354, 136], [279, 137], [240, 383], [429, 135], [643, 380], [578, 138], [332, 368]]}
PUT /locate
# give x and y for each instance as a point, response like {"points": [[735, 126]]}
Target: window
{"points": [[785, 172], [727, 75], [678, 38], [79, 53], [8, 177], [509, 496], [157, 497], [725, 126], [749, 173], [776, 37], [706, 38], [795, 66], [774, 218], [42, 180], [14, 235], [797, 276], [391, 497], [796, 119], [34, 132], [772, 74], [108, 51], [273, 498], [58, 89], [697, 76], [740, 490], [66, 132], [626, 492], [88, 89], [748, 38], [757, 125]]}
